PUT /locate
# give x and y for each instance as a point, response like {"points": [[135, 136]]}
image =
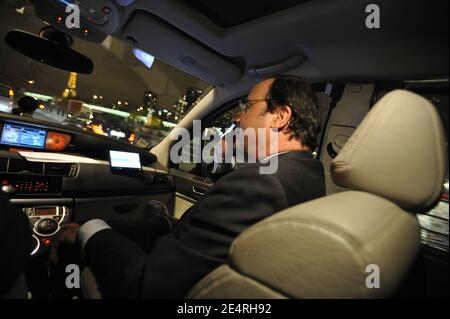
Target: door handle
{"points": [[198, 191]]}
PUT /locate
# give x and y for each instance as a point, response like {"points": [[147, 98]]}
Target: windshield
{"points": [[130, 96]]}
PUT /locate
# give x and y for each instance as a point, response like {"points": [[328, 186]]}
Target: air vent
{"points": [[60, 169], [23, 166], [26, 167], [3, 164]]}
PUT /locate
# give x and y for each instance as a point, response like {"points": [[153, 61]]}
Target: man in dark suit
{"points": [[171, 264]]}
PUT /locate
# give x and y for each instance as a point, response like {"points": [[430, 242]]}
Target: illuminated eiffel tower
{"points": [[71, 89]]}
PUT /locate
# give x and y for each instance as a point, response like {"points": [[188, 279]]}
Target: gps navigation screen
{"points": [[125, 160], [18, 135]]}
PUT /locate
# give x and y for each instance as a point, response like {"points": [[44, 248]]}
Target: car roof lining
{"points": [[412, 42], [230, 13]]}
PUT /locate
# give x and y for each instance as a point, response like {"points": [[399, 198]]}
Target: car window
{"points": [[125, 93], [218, 124]]}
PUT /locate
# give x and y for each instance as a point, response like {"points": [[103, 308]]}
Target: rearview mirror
{"points": [[52, 47]]}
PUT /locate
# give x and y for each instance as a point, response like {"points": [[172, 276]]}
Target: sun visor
{"points": [[172, 46]]}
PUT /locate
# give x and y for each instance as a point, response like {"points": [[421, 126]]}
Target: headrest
{"points": [[398, 152]]}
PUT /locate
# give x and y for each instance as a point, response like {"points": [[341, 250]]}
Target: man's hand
{"points": [[67, 235]]}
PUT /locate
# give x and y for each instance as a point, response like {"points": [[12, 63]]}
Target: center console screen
{"points": [[23, 136], [125, 160]]}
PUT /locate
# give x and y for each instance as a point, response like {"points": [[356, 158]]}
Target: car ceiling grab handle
{"points": [[277, 67]]}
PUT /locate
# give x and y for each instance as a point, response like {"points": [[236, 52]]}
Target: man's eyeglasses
{"points": [[246, 104]]}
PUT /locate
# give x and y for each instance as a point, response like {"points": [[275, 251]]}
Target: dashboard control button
{"points": [[33, 220], [47, 242], [46, 226], [28, 211]]}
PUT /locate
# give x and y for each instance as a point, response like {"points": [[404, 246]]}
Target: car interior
{"points": [[383, 101]]}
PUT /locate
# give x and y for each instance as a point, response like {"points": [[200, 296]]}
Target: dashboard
{"points": [[107, 179], [28, 134]]}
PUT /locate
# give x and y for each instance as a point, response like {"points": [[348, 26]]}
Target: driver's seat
{"points": [[354, 244]]}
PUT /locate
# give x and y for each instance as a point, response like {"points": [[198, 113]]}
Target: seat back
{"points": [[355, 244]]}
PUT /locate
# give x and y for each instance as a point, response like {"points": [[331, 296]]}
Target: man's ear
{"points": [[282, 117]]}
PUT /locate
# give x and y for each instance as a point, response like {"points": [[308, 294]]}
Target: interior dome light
{"points": [[144, 57]]}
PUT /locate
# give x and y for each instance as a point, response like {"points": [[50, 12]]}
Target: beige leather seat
{"points": [[335, 247], [395, 164]]}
